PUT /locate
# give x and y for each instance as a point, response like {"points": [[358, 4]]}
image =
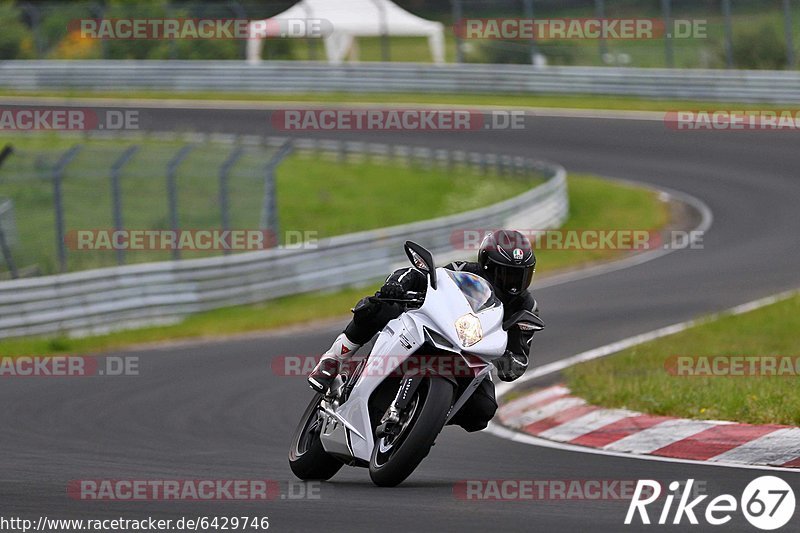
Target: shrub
{"points": [[760, 48], [16, 40]]}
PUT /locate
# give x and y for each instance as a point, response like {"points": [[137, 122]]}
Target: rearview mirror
{"points": [[422, 261]]}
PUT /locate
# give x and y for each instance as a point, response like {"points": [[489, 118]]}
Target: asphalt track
{"points": [[216, 410]]}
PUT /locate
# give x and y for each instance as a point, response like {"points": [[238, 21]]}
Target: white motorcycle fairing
{"points": [[347, 431]]}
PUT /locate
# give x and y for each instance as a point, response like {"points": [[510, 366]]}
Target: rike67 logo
{"points": [[768, 503]]}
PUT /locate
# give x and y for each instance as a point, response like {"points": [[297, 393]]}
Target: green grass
{"points": [[316, 195], [637, 378], [594, 203], [505, 101], [334, 199]]}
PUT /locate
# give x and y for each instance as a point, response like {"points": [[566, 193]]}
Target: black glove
{"points": [[392, 290], [511, 366]]}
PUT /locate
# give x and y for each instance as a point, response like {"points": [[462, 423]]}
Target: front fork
{"points": [[408, 386]]}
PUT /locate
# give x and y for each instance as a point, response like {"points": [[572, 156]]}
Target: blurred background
{"points": [[205, 153], [748, 34]]}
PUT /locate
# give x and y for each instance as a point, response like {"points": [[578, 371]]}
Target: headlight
{"points": [[469, 330]]}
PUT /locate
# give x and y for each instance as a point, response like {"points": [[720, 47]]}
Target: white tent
{"points": [[348, 19]]}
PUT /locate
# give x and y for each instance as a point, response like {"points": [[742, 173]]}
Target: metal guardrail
{"points": [[303, 76], [97, 301]]}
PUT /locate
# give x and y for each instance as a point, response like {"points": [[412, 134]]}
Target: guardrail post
{"points": [[413, 156], [269, 211], [527, 6], [58, 203], [172, 46], [787, 26], [519, 166], [116, 194], [224, 172], [98, 12], [35, 17], [726, 13], [12, 267], [4, 248], [395, 149], [172, 193], [240, 13], [457, 14], [600, 12], [384, 29], [669, 55]]}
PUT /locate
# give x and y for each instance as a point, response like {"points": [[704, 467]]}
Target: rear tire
{"points": [[391, 463], [307, 458]]}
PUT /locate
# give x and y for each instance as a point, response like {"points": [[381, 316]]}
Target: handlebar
{"points": [[412, 297]]}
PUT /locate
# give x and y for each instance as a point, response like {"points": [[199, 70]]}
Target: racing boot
{"points": [[321, 378]]}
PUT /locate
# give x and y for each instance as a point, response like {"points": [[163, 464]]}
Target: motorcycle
{"points": [[386, 413]]}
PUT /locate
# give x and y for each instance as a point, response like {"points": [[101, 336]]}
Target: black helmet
{"points": [[507, 260]]}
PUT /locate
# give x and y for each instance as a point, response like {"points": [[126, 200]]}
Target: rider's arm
{"points": [[410, 279], [519, 342], [515, 361]]}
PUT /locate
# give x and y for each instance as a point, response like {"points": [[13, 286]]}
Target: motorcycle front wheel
{"points": [[395, 458], [307, 458]]}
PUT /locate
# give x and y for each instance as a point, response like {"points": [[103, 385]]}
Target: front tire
{"points": [[307, 458], [394, 460]]}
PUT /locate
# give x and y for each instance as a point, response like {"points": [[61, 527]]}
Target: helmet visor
{"points": [[513, 279]]}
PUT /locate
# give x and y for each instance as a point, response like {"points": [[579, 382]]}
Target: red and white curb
{"points": [[555, 415]]}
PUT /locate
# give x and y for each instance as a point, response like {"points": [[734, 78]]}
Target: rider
{"points": [[506, 260]]}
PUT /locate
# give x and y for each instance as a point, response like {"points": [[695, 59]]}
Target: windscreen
{"points": [[476, 290]]}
